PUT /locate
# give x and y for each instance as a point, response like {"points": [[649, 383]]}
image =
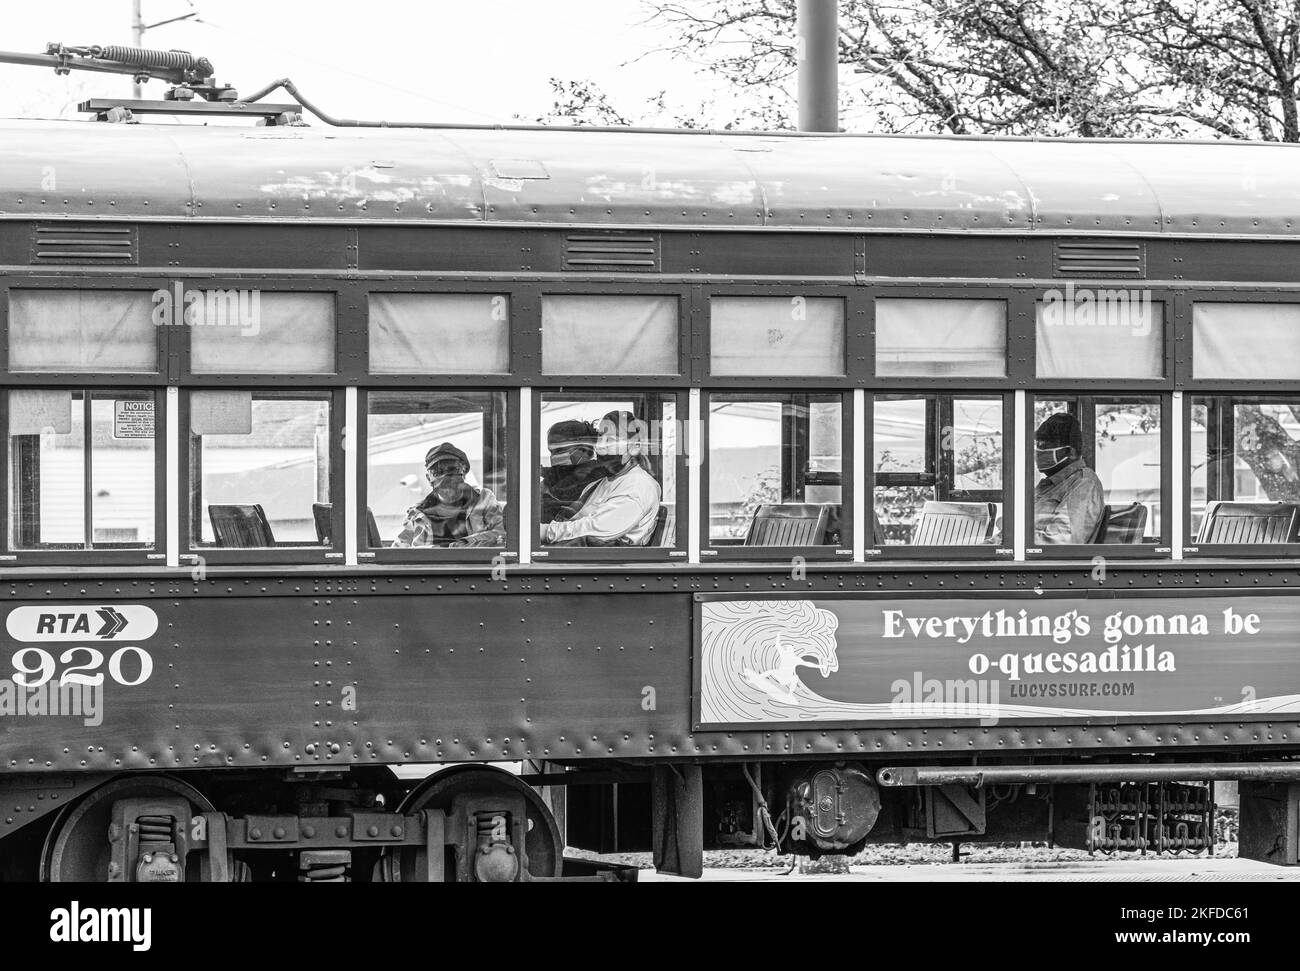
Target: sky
{"points": [[468, 61]]}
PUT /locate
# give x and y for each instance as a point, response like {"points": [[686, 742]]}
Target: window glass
{"points": [[1245, 464], [608, 475], [1086, 333], [941, 338], [606, 334], [796, 336], [436, 469], [241, 331], [1246, 341], [60, 475], [775, 469], [1099, 470], [259, 461], [439, 333], [82, 330], [938, 462]]}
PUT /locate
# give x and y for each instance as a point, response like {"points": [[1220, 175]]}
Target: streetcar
{"points": [[857, 598]]}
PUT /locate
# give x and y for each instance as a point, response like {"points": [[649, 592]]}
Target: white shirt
{"points": [[620, 510]]}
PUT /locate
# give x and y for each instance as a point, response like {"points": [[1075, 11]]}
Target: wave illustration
{"points": [[751, 653]]}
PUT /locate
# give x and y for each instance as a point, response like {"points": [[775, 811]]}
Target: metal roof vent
{"points": [[95, 243], [612, 252], [1086, 257]]}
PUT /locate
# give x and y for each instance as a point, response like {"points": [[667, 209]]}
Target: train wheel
{"points": [[502, 831], [78, 847]]}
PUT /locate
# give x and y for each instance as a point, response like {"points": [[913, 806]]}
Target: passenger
{"points": [[619, 510], [1068, 500], [454, 513], [574, 468]]}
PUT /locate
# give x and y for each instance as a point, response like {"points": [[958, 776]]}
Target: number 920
{"points": [[33, 666]]}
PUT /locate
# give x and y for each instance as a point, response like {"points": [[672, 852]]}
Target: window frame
{"points": [[738, 552], [1019, 366], [427, 554], [1191, 548], [1005, 550], [528, 328], [1186, 362], [522, 306], [93, 557], [191, 554], [614, 554], [1168, 300], [1162, 548], [349, 314], [857, 340]]}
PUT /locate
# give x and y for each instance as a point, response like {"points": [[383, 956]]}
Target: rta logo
{"points": [[77, 623]]}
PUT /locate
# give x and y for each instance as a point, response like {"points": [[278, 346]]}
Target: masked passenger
{"points": [[574, 468], [454, 513], [619, 510], [1068, 500]]}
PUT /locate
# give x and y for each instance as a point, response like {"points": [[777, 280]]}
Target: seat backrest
{"points": [[1122, 524], [240, 526], [789, 524], [1249, 522], [321, 513], [665, 531], [953, 524]]}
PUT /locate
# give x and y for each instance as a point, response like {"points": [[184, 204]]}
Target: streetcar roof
{"points": [[637, 179]]}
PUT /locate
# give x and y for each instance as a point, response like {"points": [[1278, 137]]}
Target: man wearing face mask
{"points": [[574, 468], [1068, 500], [619, 510], [454, 513]]}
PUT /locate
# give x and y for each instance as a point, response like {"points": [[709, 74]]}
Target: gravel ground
{"points": [[898, 854]]}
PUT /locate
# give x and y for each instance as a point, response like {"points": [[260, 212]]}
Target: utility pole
{"points": [[137, 40], [138, 27], [818, 56]]}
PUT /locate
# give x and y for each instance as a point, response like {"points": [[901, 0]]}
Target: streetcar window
{"points": [[1246, 341], [82, 331], [609, 334], [259, 460], [1245, 470], [938, 470], [941, 338], [73, 490], [794, 336], [1087, 333], [608, 475], [439, 333], [1098, 477], [436, 468], [250, 331], [776, 464]]}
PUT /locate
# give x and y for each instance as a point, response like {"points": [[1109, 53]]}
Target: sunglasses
{"points": [[445, 467]]}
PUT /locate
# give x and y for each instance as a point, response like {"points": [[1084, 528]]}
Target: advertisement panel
{"points": [[849, 659]]}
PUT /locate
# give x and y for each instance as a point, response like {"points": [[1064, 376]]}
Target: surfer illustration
{"points": [[782, 681]]}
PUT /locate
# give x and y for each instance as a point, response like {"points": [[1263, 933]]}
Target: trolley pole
{"points": [[817, 54]]}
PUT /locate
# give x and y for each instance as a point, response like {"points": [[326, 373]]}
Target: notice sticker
{"points": [[133, 419]]}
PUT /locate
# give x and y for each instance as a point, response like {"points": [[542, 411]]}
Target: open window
{"points": [[437, 472], [1097, 474], [939, 474], [1244, 484], [776, 475], [259, 461], [609, 475], [82, 469]]}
